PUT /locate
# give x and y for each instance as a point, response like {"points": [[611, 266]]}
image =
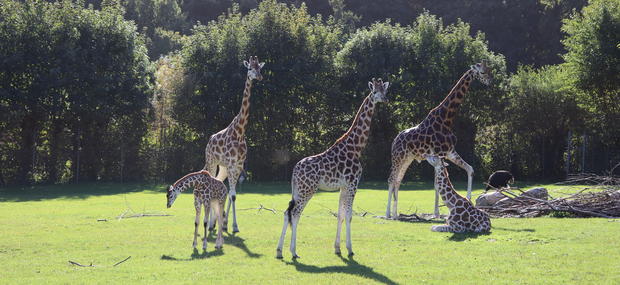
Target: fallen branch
{"points": [[140, 215], [81, 265], [259, 209], [128, 257]]}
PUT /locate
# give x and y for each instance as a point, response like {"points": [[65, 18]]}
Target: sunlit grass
{"points": [[45, 227]]}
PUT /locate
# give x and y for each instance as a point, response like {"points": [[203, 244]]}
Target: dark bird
{"points": [[499, 179]]}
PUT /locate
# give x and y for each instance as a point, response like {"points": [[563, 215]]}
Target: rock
{"points": [[538, 193], [489, 199]]}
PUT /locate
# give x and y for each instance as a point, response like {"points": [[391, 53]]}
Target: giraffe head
{"points": [[378, 90], [436, 162], [172, 194], [482, 72], [254, 67]]}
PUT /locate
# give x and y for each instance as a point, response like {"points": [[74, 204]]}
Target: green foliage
{"points": [[75, 82], [298, 50], [531, 137], [422, 62], [593, 58]]}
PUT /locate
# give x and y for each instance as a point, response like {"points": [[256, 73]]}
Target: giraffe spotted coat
{"points": [[337, 168], [463, 217], [433, 137], [226, 150], [209, 193]]}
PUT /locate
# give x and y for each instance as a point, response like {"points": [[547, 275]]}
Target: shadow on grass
{"points": [[74, 191], [513, 230], [352, 267], [238, 242], [466, 236], [195, 255]]}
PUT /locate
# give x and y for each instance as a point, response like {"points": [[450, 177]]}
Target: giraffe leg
{"points": [[340, 219], [219, 209], [206, 223], [281, 241], [436, 210], [456, 159], [441, 228], [232, 181], [198, 205], [349, 215], [397, 172], [294, 223], [221, 175], [436, 203]]}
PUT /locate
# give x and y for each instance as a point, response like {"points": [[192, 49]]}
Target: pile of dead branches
{"points": [[602, 200]]}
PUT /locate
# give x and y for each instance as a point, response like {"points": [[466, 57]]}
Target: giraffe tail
{"points": [[291, 205]]}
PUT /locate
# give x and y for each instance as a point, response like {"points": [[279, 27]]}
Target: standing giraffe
{"points": [[433, 137], [337, 168], [226, 150], [209, 193], [463, 217]]}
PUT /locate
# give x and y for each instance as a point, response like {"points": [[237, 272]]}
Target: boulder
{"points": [[538, 193], [489, 199]]}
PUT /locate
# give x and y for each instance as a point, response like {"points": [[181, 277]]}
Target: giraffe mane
{"points": [[203, 171]]}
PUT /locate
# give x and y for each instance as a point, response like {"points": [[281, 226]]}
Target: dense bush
{"points": [[74, 87]]}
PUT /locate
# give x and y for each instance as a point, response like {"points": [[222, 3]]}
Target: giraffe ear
{"points": [[246, 64], [370, 85], [260, 65], [386, 85]]}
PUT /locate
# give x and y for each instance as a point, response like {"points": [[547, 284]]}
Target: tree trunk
{"points": [[28, 133]]}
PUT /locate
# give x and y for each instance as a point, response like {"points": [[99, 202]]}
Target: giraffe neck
{"points": [[242, 118], [447, 109], [445, 188], [188, 181], [357, 136]]}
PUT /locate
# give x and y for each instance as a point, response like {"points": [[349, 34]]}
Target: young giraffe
{"points": [[336, 168], [226, 150], [209, 193], [433, 137], [463, 217]]}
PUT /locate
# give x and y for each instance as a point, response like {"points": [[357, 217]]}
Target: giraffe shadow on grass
{"points": [[239, 242], [351, 267], [195, 255], [466, 236]]}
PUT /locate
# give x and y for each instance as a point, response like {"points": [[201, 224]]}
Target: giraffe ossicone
{"points": [[433, 137], [210, 194], [337, 168], [226, 150], [463, 217]]}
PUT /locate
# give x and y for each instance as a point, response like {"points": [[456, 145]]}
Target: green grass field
{"points": [[44, 227]]}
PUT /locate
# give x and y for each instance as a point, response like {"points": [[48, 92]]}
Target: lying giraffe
{"points": [[209, 193], [463, 217], [338, 167], [226, 150], [433, 137]]}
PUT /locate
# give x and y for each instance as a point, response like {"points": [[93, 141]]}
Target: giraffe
{"points": [[209, 193], [226, 150], [433, 136], [337, 168], [463, 217]]}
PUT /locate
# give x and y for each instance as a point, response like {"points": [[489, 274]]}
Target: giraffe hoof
{"points": [[351, 254], [279, 256], [295, 256], [235, 230]]}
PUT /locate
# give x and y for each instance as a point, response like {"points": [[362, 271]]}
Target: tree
{"points": [[593, 58], [77, 82]]}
